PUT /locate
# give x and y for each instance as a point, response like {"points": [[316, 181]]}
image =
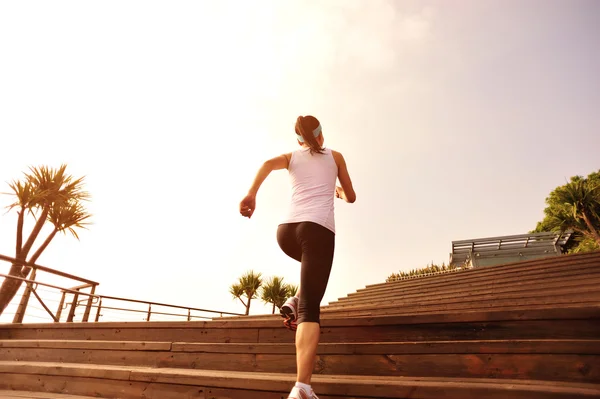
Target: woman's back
{"points": [[313, 179]]}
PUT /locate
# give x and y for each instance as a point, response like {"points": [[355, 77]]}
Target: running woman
{"points": [[307, 234]]}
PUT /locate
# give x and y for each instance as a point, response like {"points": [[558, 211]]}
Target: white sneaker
{"points": [[289, 310], [299, 393]]}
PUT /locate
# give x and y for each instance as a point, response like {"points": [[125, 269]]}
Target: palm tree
{"points": [[65, 217], [576, 206], [275, 292], [48, 195], [247, 285]]}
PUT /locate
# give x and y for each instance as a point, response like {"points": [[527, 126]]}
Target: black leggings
{"points": [[312, 245]]}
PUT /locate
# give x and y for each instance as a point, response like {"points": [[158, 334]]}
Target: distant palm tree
{"points": [[247, 285], [49, 195], [275, 292]]}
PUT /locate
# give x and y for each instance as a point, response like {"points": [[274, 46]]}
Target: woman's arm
{"points": [[277, 163], [346, 192], [248, 204]]}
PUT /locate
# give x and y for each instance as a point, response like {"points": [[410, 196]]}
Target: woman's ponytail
{"points": [[308, 128]]}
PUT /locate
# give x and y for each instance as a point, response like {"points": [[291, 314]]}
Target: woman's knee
{"points": [[309, 309]]}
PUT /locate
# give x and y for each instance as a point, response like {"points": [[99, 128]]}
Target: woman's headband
{"points": [[316, 133]]}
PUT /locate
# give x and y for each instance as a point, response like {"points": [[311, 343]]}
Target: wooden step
{"points": [[564, 360], [136, 382], [413, 312], [38, 395], [450, 288], [546, 263], [466, 308], [557, 323], [569, 294], [481, 277]]}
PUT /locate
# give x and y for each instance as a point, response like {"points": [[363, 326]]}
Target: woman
{"points": [[307, 234]]}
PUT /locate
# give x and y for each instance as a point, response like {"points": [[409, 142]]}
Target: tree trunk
{"points": [[273, 307], [22, 309], [34, 233], [20, 222], [594, 233], [9, 287], [26, 269], [248, 307]]}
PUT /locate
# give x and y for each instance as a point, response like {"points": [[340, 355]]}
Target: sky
{"points": [[456, 120]]}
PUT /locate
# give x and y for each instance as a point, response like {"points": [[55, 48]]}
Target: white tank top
{"points": [[313, 178]]}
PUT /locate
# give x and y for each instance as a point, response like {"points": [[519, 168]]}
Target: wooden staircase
{"points": [[525, 330]]}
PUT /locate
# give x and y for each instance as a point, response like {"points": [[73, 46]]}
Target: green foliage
{"points": [[575, 206], [292, 290], [432, 268], [247, 285], [275, 292]]}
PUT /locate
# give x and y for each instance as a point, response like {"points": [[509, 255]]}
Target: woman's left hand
{"points": [[248, 205]]}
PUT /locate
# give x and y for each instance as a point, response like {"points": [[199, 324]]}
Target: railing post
{"points": [[20, 314], [88, 307], [60, 306], [98, 312], [189, 314], [149, 312], [72, 310]]}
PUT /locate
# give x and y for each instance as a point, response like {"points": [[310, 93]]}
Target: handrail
{"points": [[70, 291], [101, 297], [47, 269], [170, 306]]}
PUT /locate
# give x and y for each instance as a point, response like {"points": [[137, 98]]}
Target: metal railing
{"points": [[70, 299]]}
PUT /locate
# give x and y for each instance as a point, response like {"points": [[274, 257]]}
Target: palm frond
{"points": [[69, 215]]}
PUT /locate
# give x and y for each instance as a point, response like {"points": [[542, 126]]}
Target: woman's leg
{"points": [[317, 244], [288, 242]]}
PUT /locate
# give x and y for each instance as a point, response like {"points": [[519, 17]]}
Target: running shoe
{"points": [[289, 310], [298, 393]]}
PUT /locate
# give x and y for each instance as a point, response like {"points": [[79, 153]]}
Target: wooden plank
{"points": [[563, 261], [580, 293], [488, 303], [243, 334], [493, 330], [191, 333], [565, 367], [543, 288], [137, 390], [526, 279], [98, 380], [519, 359], [537, 346], [101, 387], [87, 356], [369, 386], [582, 368], [484, 274], [38, 395], [436, 315], [86, 344]]}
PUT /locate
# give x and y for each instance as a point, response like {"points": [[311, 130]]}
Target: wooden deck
{"points": [[528, 330]]}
